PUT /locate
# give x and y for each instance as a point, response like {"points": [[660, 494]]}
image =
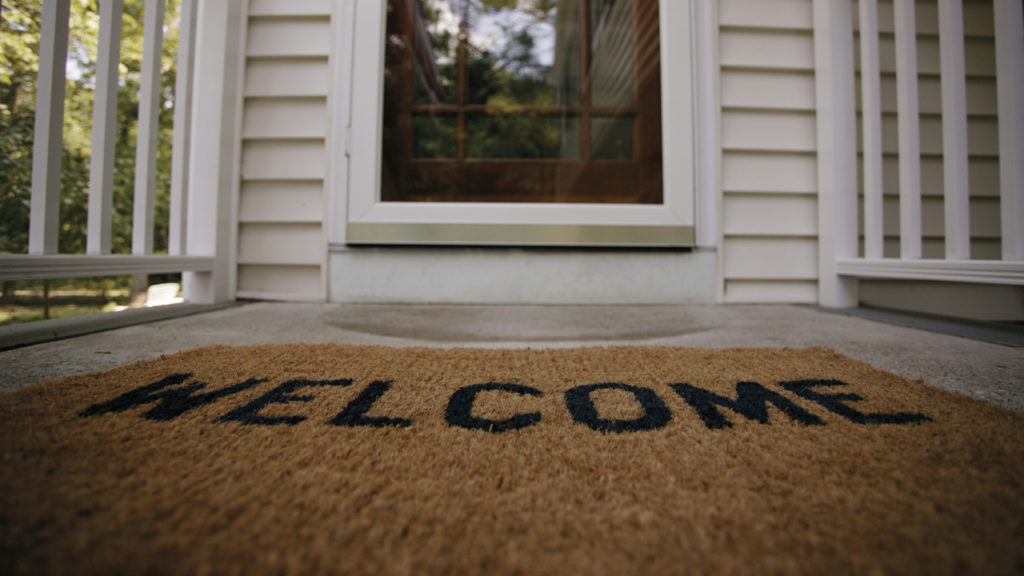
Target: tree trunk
{"points": [[46, 299], [140, 282], [8, 297]]}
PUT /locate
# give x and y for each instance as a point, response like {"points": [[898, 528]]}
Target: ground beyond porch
{"points": [[984, 370]]}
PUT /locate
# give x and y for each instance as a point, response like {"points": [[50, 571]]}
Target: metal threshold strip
{"points": [[519, 234]]}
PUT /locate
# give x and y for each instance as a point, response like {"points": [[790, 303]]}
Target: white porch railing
{"points": [[840, 260], [199, 201]]}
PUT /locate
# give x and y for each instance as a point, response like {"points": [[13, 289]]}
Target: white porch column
{"points": [[1009, 23], [215, 147], [837, 149]]}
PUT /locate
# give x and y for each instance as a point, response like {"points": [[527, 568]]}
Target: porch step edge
{"points": [[30, 333]]}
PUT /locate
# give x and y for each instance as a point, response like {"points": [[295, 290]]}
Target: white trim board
{"points": [[982, 271], [29, 267]]}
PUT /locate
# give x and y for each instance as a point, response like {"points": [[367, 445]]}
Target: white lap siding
{"points": [[769, 166], [281, 243], [769, 145]]}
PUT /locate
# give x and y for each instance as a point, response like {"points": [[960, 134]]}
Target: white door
{"points": [[521, 122]]}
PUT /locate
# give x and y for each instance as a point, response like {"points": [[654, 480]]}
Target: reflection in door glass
{"points": [[522, 101]]}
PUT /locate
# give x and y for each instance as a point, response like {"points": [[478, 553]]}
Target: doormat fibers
{"points": [[367, 460]]}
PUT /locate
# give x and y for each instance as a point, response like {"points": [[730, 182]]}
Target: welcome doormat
{"points": [[368, 460]]}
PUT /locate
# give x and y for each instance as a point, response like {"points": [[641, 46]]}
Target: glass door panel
{"points": [[485, 101]]}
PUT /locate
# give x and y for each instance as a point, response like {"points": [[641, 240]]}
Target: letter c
{"points": [[460, 408]]}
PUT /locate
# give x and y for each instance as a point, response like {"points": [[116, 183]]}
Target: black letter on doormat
{"points": [[835, 403], [460, 408], [751, 402], [170, 403], [656, 414], [355, 413], [249, 414]]}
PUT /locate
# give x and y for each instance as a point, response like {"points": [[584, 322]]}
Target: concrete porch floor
{"points": [[984, 370]]}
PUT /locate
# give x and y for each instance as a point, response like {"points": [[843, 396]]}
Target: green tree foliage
{"points": [[506, 75], [19, 43]]}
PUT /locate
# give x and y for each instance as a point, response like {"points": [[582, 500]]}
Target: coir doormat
{"points": [[366, 460]]}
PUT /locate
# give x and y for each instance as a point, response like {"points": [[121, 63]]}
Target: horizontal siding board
{"points": [[782, 14], [977, 18], [984, 217], [287, 77], [770, 215], [281, 201], [981, 95], [285, 118], [283, 160], [756, 172], [935, 248], [769, 144], [982, 173], [982, 135], [771, 291], [767, 258], [767, 90], [979, 56], [282, 37], [743, 48], [278, 243], [292, 8], [986, 249], [276, 281], [764, 130]]}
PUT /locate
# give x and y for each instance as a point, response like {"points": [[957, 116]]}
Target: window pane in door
{"points": [[433, 136], [518, 136], [611, 138], [522, 101]]}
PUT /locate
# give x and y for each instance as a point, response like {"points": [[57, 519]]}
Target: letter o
{"points": [[581, 407]]}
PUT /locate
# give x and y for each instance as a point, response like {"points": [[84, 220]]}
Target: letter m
{"points": [[751, 402]]}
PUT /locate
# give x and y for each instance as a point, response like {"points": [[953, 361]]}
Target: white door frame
{"points": [[690, 154]]}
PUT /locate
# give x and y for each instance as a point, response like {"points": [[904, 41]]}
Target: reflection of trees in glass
{"points": [[444, 47], [512, 74], [521, 136], [486, 101], [505, 73], [518, 76], [433, 136]]}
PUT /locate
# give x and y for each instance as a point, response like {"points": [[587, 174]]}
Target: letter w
{"points": [[170, 403], [751, 402]]}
